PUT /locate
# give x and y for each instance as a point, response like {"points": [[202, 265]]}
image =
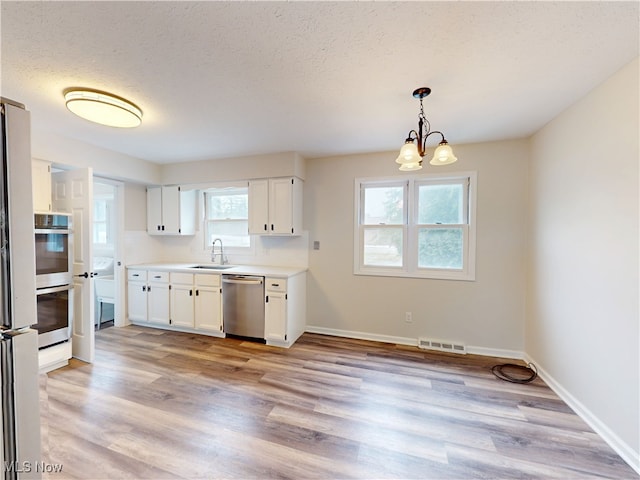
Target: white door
{"points": [[72, 192]]}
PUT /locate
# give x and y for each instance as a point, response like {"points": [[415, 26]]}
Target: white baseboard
{"points": [[362, 335], [619, 446], [488, 352], [496, 352]]}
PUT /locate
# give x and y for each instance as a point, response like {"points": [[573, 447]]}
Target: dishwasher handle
{"points": [[243, 280]]}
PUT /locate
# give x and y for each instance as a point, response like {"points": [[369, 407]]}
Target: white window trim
{"points": [[410, 238], [228, 250]]}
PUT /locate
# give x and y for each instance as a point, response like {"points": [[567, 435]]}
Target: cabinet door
{"points": [[171, 210], [281, 206], [159, 303], [208, 304], [275, 316], [137, 301], [41, 173], [182, 305], [258, 207], [154, 210]]}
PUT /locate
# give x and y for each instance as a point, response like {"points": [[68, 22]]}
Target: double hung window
{"points": [[227, 216], [418, 227]]}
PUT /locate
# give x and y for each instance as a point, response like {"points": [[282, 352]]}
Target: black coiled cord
{"points": [[525, 374]]}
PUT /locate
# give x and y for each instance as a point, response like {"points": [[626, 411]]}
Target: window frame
{"points": [[233, 249], [411, 229], [108, 222]]}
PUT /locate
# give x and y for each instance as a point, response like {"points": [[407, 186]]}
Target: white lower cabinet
{"points": [[284, 309], [158, 297], [181, 299], [193, 302], [148, 297], [208, 303], [275, 309], [137, 295]]}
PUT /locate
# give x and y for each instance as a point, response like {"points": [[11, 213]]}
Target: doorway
{"points": [[106, 236]]}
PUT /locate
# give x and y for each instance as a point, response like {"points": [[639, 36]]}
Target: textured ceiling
{"points": [[226, 79]]}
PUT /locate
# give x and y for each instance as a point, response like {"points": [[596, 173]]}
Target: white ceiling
{"points": [[227, 79]]}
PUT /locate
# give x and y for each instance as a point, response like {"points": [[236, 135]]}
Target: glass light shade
{"points": [[103, 108], [408, 155], [409, 167], [443, 155]]}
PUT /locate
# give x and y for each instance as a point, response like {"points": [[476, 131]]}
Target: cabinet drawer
{"points": [[158, 277], [182, 278], [207, 280], [137, 275], [275, 284]]}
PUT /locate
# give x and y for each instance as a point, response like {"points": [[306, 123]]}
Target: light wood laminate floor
{"points": [[158, 404]]}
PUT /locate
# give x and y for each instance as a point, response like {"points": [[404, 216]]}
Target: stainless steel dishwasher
{"points": [[243, 305]]}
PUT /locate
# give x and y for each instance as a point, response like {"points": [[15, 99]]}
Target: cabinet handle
{"points": [[149, 288], [135, 275], [158, 227], [144, 288], [157, 276], [265, 227], [197, 292], [163, 228], [266, 299], [191, 293], [272, 227], [275, 284]]}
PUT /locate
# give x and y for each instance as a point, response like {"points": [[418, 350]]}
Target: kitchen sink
{"points": [[212, 267]]}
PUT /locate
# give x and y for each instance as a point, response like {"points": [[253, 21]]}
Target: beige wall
{"points": [[241, 168], [582, 324], [68, 152], [487, 314], [135, 200]]}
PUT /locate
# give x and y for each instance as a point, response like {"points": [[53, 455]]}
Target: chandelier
{"points": [[415, 145]]}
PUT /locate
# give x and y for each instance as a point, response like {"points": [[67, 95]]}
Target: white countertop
{"points": [[260, 270]]}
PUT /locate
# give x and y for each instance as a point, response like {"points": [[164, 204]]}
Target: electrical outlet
{"points": [[408, 318]]}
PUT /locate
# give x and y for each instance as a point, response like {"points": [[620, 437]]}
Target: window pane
{"points": [[440, 204], [228, 205], [383, 205], [383, 247], [100, 233], [99, 210], [232, 233], [440, 248], [227, 213]]}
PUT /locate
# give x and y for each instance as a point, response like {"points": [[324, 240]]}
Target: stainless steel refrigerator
{"points": [[20, 452]]}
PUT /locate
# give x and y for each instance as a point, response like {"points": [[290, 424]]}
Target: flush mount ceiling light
{"points": [[102, 107], [415, 145]]}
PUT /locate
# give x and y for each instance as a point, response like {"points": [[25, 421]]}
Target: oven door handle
{"points": [[61, 288], [52, 231]]}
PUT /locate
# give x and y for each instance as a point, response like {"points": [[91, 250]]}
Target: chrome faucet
{"points": [[223, 259]]}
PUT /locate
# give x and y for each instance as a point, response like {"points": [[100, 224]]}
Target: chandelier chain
{"points": [[424, 119]]}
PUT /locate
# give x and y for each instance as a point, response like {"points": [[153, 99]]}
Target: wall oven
{"points": [[54, 275], [54, 245], [55, 310]]}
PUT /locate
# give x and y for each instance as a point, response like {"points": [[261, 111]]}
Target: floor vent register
{"points": [[441, 345]]}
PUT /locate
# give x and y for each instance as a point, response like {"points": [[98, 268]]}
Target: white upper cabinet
{"points": [[41, 172], [171, 211], [275, 206]]}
